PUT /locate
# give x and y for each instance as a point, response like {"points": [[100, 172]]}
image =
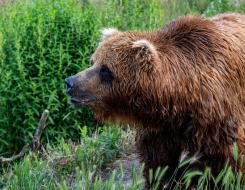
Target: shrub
{"points": [[42, 43]]}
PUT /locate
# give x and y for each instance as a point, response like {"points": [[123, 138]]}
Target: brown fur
{"points": [[187, 93]]}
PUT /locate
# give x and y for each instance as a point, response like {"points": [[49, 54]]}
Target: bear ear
{"points": [[145, 54], [108, 32], [143, 44]]}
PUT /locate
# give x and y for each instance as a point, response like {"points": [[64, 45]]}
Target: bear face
{"points": [[119, 67]]}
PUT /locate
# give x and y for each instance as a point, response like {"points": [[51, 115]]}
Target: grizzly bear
{"points": [[182, 88]]}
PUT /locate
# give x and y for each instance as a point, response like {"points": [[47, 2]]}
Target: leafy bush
{"points": [[221, 6], [42, 43]]}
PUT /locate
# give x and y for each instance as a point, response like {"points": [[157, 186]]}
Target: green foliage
{"points": [[81, 162], [219, 6], [80, 166], [132, 14], [175, 8], [42, 43], [93, 152], [31, 174]]}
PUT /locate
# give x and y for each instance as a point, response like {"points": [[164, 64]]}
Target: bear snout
{"points": [[69, 84]]}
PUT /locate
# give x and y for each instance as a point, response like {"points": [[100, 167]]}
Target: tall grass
{"points": [[80, 166], [78, 162]]}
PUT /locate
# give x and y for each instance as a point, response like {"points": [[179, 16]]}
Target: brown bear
{"points": [[182, 87]]}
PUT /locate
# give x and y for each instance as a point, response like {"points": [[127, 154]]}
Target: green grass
{"points": [[66, 162], [80, 166], [41, 43]]}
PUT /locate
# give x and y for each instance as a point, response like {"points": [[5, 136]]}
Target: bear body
{"points": [[182, 87]]}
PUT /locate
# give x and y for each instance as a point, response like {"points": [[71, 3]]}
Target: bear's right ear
{"points": [[108, 32], [145, 54]]}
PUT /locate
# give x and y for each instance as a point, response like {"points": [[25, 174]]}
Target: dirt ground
{"points": [[127, 163]]}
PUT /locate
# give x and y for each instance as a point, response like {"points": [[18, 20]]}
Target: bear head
{"points": [[119, 82]]}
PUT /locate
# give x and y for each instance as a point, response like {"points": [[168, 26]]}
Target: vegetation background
{"points": [[41, 43]]}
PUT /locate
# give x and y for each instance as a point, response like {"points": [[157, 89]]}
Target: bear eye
{"points": [[105, 74], [91, 62]]}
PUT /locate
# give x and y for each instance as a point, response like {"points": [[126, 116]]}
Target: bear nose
{"points": [[69, 84]]}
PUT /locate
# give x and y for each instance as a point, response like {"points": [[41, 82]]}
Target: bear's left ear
{"points": [[145, 54], [108, 32]]}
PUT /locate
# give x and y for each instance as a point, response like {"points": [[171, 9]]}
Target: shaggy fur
{"points": [[182, 87]]}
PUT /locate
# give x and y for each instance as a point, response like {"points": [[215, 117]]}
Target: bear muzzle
{"points": [[82, 88], [69, 84]]}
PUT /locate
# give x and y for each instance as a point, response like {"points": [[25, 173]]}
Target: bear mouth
{"points": [[82, 102]]}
